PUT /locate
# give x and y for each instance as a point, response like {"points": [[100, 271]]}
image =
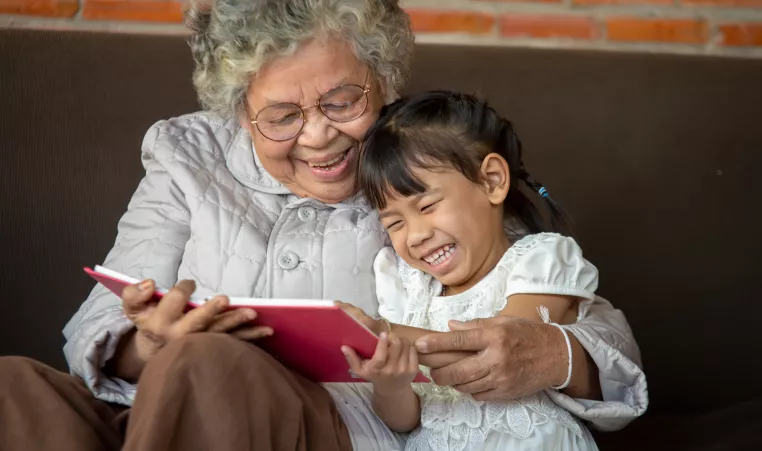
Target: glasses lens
{"points": [[344, 103], [280, 122]]}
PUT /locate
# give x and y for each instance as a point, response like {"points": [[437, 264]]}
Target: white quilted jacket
{"points": [[207, 211]]}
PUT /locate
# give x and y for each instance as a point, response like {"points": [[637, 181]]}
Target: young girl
{"points": [[444, 170]]}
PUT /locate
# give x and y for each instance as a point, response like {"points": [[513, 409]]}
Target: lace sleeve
{"points": [[390, 290]]}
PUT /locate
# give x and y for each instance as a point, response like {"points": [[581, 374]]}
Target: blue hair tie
{"points": [[542, 192]]}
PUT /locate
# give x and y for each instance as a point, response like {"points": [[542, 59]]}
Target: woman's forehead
{"points": [[316, 67]]}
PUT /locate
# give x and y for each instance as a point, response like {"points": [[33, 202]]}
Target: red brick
{"points": [[547, 26], [741, 34], [624, 2], [432, 21], [742, 3], [134, 10], [47, 8], [520, 1], [633, 29]]}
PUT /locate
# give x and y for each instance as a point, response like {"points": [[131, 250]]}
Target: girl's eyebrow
{"points": [[416, 198]]}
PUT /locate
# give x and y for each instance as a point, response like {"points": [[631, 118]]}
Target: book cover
{"points": [[308, 334]]}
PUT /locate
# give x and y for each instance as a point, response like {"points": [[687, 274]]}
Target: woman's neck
{"points": [[497, 249]]}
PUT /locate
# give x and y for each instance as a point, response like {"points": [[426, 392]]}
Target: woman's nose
{"points": [[318, 131]]}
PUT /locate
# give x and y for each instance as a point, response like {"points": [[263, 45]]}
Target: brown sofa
{"points": [[656, 157]]}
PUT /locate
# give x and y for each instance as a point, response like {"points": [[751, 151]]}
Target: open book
{"points": [[308, 334]]}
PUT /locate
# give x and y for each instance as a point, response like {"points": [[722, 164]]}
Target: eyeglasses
{"points": [[283, 121]]}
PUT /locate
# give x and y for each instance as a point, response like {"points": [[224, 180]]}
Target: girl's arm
{"points": [[525, 306], [400, 411]]}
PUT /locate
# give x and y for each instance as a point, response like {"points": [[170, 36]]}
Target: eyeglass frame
{"points": [[365, 90]]}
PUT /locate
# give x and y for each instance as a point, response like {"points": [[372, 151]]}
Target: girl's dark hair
{"points": [[443, 129]]}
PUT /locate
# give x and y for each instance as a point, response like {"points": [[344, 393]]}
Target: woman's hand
{"points": [[392, 368], [514, 357], [159, 323], [376, 326]]}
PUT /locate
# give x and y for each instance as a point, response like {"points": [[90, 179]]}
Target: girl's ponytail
{"points": [[560, 222]]}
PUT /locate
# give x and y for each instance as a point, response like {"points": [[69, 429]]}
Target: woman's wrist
{"points": [[126, 362], [558, 372]]}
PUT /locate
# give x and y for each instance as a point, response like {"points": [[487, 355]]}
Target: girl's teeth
{"points": [[439, 256]]}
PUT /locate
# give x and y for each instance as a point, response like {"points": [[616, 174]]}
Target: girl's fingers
{"points": [[252, 333], [404, 355], [379, 358], [395, 349], [413, 359], [231, 319], [355, 364]]}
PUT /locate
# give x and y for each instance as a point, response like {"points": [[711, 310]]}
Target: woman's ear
{"points": [[497, 177], [244, 121]]}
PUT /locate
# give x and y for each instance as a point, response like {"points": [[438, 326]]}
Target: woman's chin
{"points": [[329, 193]]}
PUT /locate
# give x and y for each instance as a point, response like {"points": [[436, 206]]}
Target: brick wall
{"points": [[722, 27]]}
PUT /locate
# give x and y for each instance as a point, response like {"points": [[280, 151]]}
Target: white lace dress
{"points": [[537, 264]]}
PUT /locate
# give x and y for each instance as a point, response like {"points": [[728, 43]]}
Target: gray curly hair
{"points": [[232, 39]]}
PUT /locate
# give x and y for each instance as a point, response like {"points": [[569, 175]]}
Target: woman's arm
{"points": [[614, 370], [152, 232]]}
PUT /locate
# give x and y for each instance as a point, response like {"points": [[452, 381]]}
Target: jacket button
{"points": [[306, 214], [288, 260]]}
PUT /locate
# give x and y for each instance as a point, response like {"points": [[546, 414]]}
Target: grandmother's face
{"points": [[321, 161]]}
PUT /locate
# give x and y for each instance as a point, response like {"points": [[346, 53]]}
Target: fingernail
{"points": [[384, 336], [221, 301], [144, 285], [421, 345], [249, 314]]}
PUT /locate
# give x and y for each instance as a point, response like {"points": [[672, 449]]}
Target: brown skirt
{"points": [[202, 392]]}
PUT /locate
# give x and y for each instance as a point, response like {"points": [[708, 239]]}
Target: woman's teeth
{"points": [[329, 163], [440, 255]]}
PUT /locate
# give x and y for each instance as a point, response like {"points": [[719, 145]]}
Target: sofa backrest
{"points": [[656, 158]]}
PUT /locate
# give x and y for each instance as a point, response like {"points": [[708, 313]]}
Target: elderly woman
{"points": [[257, 197]]}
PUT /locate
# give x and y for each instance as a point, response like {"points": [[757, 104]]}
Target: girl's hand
{"points": [[376, 326], [159, 323], [392, 368]]}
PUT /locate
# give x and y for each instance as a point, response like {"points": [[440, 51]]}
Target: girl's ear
{"points": [[497, 177]]}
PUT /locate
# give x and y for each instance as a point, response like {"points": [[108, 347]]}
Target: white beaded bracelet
{"points": [[545, 315]]}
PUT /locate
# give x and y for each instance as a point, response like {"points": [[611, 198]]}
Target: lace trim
{"points": [[462, 424]]}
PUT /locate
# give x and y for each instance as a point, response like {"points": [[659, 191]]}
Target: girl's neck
{"points": [[498, 248]]}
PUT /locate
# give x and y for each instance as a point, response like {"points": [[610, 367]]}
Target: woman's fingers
{"points": [[137, 299], [252, 333], [172, 305], [468, 336], [461, 372], [477, 387], [231, 319], [199, 319]]}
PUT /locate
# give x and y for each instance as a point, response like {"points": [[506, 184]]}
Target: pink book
{"points": [[308, 334]]}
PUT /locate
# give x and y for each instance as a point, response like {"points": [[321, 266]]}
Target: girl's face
{"points": [[454, 230]]}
